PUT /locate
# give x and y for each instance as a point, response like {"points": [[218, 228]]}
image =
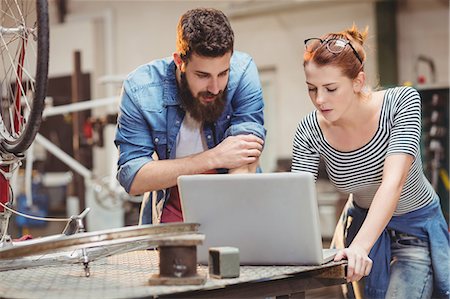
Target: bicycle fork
{"points": [[74, 226], [4, 199]]}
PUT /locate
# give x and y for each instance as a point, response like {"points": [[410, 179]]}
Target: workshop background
{"points": [[95, 44]]}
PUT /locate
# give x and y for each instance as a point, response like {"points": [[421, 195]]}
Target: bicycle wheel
{"points": [[24, 46], [98, 243]]}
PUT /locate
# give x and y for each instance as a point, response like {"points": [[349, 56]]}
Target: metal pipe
{"points": [[29, 175], [61, 155], [83, 105]]}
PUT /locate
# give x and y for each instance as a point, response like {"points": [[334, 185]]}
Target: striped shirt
{"points": [[360, 171]]}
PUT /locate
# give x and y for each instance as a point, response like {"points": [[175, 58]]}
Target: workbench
{"points": [[127, 276]]}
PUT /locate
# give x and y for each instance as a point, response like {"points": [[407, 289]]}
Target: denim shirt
{"points": [[427, 224], [150, 114]]}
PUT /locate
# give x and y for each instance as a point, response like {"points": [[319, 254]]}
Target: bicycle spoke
{"points": [[20, 12]]}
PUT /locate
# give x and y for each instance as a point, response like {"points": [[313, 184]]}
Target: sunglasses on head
{"points": [[334, 45]]}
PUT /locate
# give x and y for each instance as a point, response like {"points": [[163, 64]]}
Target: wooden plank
{"points": [[156, 279], [291, 285]]}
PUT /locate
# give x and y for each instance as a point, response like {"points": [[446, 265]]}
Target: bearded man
{"points": [[199, 111]]}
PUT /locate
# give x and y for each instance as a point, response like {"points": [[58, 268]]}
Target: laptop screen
{"points": [[272, 218]]}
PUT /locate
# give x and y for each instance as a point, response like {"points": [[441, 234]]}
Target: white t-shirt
{"points": [[190, 139]]}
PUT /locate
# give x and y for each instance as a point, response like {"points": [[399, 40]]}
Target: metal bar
{"points": [[77, 125], [80, 106], [65, 158]]}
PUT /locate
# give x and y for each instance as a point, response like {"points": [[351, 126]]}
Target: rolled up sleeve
{"points": [[248, 104], [133, 140], [246, 128]]}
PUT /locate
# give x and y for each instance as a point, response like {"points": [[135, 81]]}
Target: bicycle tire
{"points": [[20, 143]]}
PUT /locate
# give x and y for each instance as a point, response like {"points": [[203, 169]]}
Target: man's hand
{"points": [[237, 151]]}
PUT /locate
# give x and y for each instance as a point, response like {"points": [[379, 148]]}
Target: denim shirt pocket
{"points": [[147, 96], [160, 142]]}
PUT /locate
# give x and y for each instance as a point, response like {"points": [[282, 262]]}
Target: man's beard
{"points": [[208, 112]]}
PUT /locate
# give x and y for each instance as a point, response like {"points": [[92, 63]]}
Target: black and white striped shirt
{"points": [[360, 171]]}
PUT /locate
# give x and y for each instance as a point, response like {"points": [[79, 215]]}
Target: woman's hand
{"points": [[359, 263]]}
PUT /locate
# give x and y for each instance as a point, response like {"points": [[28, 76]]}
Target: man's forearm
{"points": [[249, 168], [161, 174], [232, 153]]}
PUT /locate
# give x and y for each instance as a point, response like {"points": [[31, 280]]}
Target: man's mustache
{"points": [[208, 94]]}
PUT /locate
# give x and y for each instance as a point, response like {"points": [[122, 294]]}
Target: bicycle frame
{"points": [[88, 176], [4, 199], [7, 168], [4, 188], [18, 122]]}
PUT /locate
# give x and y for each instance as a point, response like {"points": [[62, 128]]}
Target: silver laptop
{"points": [[272, 218]]}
